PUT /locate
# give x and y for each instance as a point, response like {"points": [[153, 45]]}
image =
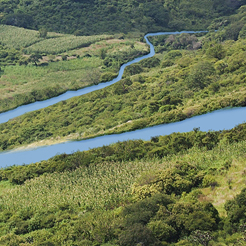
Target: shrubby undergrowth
{"points": [[167, 191], [172, 86], [155, 201], [159, 146]]}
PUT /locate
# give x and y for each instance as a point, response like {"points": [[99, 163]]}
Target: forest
{"points": [[99, 16], [178, 189]]}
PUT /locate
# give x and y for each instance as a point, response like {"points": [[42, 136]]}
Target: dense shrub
{"points": [[176, 180], [134, 149]]}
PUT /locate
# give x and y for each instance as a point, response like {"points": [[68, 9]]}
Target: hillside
{"points": [[173, 200], [177, 83], [180, 189], [97, 16], [35, 68], [21, 47]]}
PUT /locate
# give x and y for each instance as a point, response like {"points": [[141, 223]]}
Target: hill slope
{"points": [[172, 200], [171, 190], [97, 16]]}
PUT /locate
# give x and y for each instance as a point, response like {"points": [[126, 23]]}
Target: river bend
{"points": [[217, 120]]}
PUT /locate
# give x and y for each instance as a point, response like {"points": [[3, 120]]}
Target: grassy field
{"points": [[64, 43], [71, 66], [17, 37], [54, 43], [166, 88]]}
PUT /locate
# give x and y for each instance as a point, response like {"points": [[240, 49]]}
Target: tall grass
{"points": [[72, 74], [18, 37], [95, 187], [107, 185], [64, 43], [54, 43]]}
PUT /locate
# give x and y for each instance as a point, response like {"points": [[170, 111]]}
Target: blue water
{"points": [[4, 117], [217, 120]]}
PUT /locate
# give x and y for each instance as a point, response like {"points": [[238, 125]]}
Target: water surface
{"points": [[4, 117], [217, 120]]}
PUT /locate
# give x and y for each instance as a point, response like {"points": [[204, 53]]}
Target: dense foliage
{"points": [[98, 16], [171, 190], [8, 56], [150, 201], [172, 86], [125, 151]]}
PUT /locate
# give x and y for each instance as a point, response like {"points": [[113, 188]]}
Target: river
{"points": [[217, 120]]}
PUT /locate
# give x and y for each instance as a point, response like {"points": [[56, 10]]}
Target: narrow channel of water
{"points": [[4, 117], [217, 120]]}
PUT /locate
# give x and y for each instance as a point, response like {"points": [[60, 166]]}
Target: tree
{"points": [[200, 237], [43, 32], [216, 51], [35, 58], [137, 234], [199, 76], [102, 53], [18, 19]]}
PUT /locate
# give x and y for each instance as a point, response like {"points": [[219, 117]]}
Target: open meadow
{"points": [[64, 62]]}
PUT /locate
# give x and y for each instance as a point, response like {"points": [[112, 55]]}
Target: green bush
{"points": [[11, 240], [181, 178], [209, 181], [137, 234], [173, 54], [150, 62], [199, 76], [167, 63], [162, 231], [107, 76], [216, 51], [132, 69]]}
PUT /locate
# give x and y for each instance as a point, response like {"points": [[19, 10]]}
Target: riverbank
{"points": [[218, 120], [162, 92]]}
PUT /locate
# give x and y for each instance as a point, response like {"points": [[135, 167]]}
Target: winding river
{"points": [[217, 120]]}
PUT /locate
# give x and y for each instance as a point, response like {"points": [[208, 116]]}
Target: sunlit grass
{"points": [[97, 187], [17, 37], [72, 74], [231, 181], [5, 186], [108, 185], [65, 43]]}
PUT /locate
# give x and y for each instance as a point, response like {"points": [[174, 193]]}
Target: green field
{"points": [[70, 63], [184, 189], [98, 204], [54, 43]]}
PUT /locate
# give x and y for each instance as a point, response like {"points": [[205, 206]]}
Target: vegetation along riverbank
{"points": [[170, 190], [180, 81], [179, 189]]}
